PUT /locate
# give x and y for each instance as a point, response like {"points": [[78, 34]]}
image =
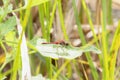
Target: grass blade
{"points": [[104, 42], [94, 71]]}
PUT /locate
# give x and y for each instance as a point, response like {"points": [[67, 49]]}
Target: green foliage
{"points": [[7, 26], [45, 54]]}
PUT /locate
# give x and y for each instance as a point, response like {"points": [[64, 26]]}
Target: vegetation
{"points": [[26, 56]]}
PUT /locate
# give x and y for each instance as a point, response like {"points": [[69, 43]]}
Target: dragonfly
{"points": [[61, 42]]}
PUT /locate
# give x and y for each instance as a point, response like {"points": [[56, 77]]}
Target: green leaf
{"points": [[7, 26], [57, 51], [10, 36]]}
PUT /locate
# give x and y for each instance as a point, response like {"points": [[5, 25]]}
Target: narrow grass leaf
{"points": [[104, 41], [113, 51], [90, 21], [62, 20]]}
